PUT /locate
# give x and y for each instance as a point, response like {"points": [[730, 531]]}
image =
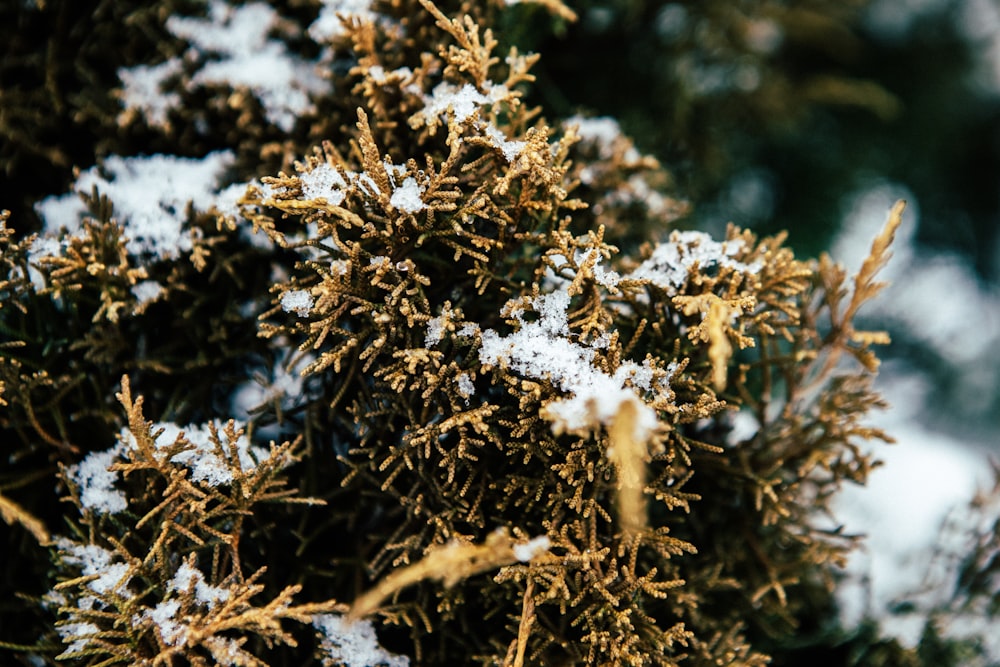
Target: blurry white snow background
{"points": [[930, 474]]}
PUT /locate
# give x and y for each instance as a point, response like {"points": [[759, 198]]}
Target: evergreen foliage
{"points": [[378, 365]]}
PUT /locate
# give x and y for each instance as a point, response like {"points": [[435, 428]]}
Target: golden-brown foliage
{"points": [[516, 424]]}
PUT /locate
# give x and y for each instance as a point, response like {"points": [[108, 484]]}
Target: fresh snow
{"points": [[297, 301], [205, 463], [602, 132], [462, 102], [438, 326], [328, 25], [95, 560], [353, 644], [543, 350], [283, 384], [189, 578], [147, 291], [323, 182], [929, 473], [150, 195], [144, 89], [238, 53], [406, 197], [466, 388], [671, 262], [510, 149], [525, 552], [82, 631], [97, 483]]}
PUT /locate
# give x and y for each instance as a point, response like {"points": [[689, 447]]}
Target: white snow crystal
{"points": [[340, 267], [323, 181], [354, 644], [205, 463], [226, 200], [188, 577], [279, 81], [297, 301], [283, 383], [407, 196], [328, 25], [637, 190], [164, 616], [81, 630], [468, 330], [143, 89], [95, 560], [466, 388], [435, 330], [378, 74], [96, 482], [147, 291], [602, 275], [525, 552], [227, 30], [463, 101], [47, 246], [510, 149], [602, 132], [367, 184]]}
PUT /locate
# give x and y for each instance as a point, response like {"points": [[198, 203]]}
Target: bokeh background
{"points": [[815, 117]]}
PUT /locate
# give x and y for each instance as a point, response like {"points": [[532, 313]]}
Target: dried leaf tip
{"points": [[450, 564], [880, 255], [628, 453]]}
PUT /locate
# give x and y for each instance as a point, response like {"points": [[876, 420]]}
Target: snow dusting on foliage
{"points": [[353, 644], [190, 578], [232, 48], [96, 482], [602, 132], [145, 89], [671, 262], [206, 463], [406, 197], [525, 552], [544, 350], [110, 574], [329, 26], [150, 195], [323, 182]]}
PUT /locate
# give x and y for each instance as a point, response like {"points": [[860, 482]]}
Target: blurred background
{"points": [[814, 117]]}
